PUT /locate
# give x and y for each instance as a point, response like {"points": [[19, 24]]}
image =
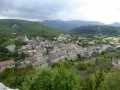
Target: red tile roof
{"points": [[4, 63]]}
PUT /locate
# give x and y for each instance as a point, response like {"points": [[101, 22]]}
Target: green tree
{"points": [[93, 81], [81, 66], [64, 79], [40, 80], [112, 81]]}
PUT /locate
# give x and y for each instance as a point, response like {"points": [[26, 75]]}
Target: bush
{"points": [[81, 66], [19, 43], [103, 63]]}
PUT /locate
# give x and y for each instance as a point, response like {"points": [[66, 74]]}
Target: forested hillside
{"points": [[26, 27], [92, 30]]}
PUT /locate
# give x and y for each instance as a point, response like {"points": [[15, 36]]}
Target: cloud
{"points": [[107, 11], [38, 9], [97, 10]]}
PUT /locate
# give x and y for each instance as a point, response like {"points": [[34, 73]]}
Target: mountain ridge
{"points": [[68, 25]]}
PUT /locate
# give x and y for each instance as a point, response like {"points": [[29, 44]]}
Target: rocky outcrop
{"points": [[11, 48], [3, 87]]}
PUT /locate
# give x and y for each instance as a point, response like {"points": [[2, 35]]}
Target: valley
{"points": [[35, 57]]}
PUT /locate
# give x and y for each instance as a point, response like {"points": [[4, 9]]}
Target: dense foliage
{"points": [[48, 79], [7, 39], [14, 77]]}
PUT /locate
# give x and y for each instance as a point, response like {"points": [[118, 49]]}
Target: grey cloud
{"points": [[38, 9]]}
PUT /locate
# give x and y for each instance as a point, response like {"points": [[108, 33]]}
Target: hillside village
{"points": [[41, 52], [59, 44]]}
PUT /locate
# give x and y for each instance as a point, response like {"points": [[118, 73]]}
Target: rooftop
{"points": [[4, 63]]}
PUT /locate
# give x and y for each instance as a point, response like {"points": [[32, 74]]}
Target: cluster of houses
{"points": [[41, 53]]}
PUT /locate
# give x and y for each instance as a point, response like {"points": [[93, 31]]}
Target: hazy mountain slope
{"points": [[116, 24], [67, 25]]}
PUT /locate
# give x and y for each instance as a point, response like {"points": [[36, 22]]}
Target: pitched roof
{"points": [[4, 63]]}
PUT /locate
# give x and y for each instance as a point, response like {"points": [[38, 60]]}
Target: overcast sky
{"points": [[106, 11]]}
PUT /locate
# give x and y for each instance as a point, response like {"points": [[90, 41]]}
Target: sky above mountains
{"points": [[106, 11]]}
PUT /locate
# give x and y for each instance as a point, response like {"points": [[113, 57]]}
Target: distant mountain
{"points": [[94, 30], [26, 27], [116, 24], [45, 28], [68, 25]]}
